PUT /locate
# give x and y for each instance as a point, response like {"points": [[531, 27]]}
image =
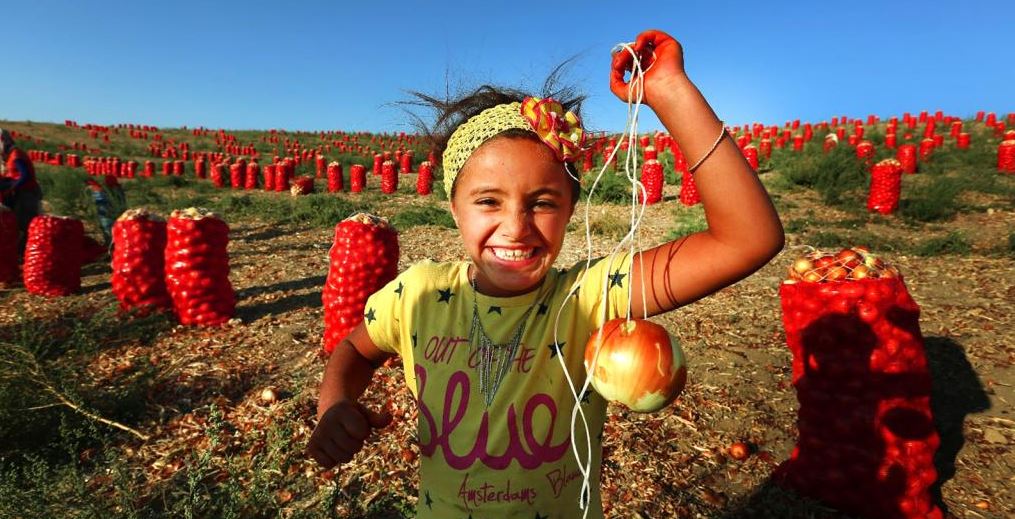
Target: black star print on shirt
{"points": [[369, 316], [429, 502], [399, 289], [617, 279], [543, 308], [555, 348], [585, 396], [494, 309], [444, 296], [414, 340]]}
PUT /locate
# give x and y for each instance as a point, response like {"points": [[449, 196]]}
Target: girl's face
{"points": [[512, 203]]}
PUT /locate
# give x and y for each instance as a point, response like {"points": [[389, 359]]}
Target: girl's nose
{"points": [[516, 225]]}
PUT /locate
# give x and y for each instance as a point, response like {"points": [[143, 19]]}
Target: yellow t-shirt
{"points": [[514, 457]]}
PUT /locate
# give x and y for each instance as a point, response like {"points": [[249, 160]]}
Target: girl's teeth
{"points": [[513, 254]]}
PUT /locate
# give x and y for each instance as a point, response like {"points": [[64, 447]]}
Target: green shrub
{"points": [[613, 188], [837, 176], [953, 243], [934, 201]]}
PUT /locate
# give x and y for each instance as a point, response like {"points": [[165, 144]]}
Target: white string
{"points": [[635, 94]]}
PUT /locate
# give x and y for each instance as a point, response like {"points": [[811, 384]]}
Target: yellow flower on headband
{"points": [[560, 130]]}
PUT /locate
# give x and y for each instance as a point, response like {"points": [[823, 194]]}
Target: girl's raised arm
{"points": [[744, 231]]}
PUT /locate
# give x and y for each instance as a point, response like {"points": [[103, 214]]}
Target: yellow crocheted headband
{"points": [[560, 130]]}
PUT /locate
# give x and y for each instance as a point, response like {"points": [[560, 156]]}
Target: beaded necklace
{"points": [[494, 359]]}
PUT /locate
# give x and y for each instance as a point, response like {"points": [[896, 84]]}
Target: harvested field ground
{"points": [[214, 448]]}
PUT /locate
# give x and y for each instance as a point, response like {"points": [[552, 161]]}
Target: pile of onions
{"points": [[237, 172], [268, 172], [688, 190], [53, 256], [389, 177], [218, 174], [357, 178], [636, 363], [139, 243], [334, 172], [283, 172], [9, 272], [302, 186], [363, 258], [866, 431], [424, 179], [751, 154], [844, 265], [197, 267], [906, 155], [1006, 156], [253, 171], [886, 186], [652, 179]]}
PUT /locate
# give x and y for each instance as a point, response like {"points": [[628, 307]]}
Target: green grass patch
{"points": [[953, 243], [424, 215], [687, 220]]}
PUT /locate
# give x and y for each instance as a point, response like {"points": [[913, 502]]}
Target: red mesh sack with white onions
{"points": [[885, 187], [363, 258], [389, 177], [9, 273], [866, 432], [334, 172], [139, 265], [237, 172], [197, 267], [251, 174], [424, 179], [53, 256], [218, 174], [357, 178], [652, 179], [283, 172], [688, 189], [302, 186], [268, 174]]}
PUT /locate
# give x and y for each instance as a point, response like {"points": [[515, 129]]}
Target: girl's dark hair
{"points": [[452, 111]]}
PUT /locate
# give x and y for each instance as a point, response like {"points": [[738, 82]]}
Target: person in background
{"points": [[110, 203], [20, 191]]}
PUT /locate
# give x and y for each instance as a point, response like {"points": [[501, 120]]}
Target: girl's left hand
{"points": [[662, 59]]}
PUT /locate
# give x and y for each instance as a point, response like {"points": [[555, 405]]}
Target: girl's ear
{"points": [[454, 214]]}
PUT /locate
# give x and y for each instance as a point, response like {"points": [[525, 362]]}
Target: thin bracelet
{"points": [[722, 134]]}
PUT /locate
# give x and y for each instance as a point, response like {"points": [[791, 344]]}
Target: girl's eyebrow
{"points": [[485, 190]]}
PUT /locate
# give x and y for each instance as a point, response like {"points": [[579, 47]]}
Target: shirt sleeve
{"points": [[23, 175], [605, 290], [385, 312]]}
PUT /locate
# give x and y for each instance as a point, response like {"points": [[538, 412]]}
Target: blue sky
{"points": [[329, 65]]}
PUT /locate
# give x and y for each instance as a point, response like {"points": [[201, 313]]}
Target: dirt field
{"points": [[670, 464], [197, 439]]}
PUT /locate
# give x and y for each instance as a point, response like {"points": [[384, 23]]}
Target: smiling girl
{"points": [[477, 337]]}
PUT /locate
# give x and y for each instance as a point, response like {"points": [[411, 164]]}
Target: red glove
{"points": [[659, 54]]}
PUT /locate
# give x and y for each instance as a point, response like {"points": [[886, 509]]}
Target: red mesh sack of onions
{"points": [[866, 433], [197, 267], [139, 273], [53, 256], [652, 179], [885, 187], [363, 258], [424, 179], [9, 273], [302, 186], [688, 189]]}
